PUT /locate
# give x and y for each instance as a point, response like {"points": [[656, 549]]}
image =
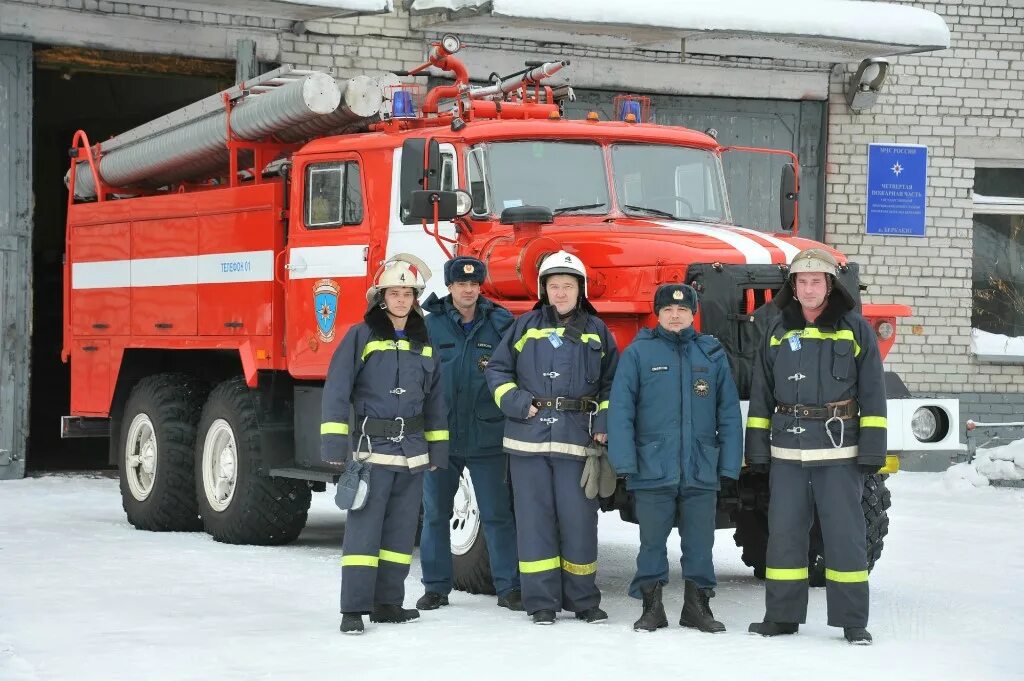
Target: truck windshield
{"points": [[567, 177], [657, 180]]}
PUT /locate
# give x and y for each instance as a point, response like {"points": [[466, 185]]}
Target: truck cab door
{"points": [[326, 260]]}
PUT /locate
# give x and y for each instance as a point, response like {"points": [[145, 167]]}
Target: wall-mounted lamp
{"points": [[866, 84]]}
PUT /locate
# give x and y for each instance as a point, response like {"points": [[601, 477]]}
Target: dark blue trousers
{"points": [[557, 531], [495, 504], [693, 512], [378, 543]]}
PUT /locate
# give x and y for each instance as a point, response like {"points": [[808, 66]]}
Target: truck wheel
{"points": [[236, 503], [158, 432], [752, 532], [471, 564]]}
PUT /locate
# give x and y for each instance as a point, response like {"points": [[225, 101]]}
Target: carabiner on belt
{"points": [[842, 428]]}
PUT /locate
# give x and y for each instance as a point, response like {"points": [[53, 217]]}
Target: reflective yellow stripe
{"points": [[538, 334], [757, 422], [436, 435], [395, 557], [785, 574], [332, 428], [359, 561], [873, 422], [602, 405], [548, 447], [529, 566], [374, 346], [500, 392], [823, 454], [816, 334], [577, 569], [846, 577]]}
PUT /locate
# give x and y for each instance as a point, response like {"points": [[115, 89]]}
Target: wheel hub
{"points": [[220, 465], [465, 522], [140, 457]]}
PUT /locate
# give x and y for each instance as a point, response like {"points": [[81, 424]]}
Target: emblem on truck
{"points": [[325, 301]]}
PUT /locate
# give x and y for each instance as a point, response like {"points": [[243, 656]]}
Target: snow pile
{"points": [[994, 346], [996, 463]]}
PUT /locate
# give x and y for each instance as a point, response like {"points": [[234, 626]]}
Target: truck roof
{"points": [[504, 129]]}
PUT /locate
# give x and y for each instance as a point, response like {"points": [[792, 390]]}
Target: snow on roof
{"points": [[994, 347], [291, 9], [813, 30]]}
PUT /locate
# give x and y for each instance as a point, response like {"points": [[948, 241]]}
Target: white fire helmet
{"points": [[561, 262], [399, 271]]}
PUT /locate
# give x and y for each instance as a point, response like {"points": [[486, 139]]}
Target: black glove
{"points": [[758, 468], [868, 468]]}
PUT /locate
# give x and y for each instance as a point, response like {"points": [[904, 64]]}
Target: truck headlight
{"points": [[929, 424]]}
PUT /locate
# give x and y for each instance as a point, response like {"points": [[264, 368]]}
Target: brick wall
{"points": [[946, 100]]}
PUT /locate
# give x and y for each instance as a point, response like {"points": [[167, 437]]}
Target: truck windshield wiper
{"points": [[651, 211], [585, 206]]}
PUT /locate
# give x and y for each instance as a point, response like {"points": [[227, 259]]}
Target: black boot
{"points": [[653, 616], [431, 601], [351, 623], [544, 617], [513, 600], [393, 614], [768, 628], [697, 611], [593, 615], [857, 636]]}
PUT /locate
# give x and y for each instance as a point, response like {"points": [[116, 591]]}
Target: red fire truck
{"points": [[216, 256]]}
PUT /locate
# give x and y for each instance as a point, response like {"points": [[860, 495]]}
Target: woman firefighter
{"points": [[551, 375], [384, 375]]}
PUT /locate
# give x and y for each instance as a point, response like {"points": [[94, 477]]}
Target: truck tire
{"points": [[157, 438], [752, 532], [237, 504], [471, 564]]}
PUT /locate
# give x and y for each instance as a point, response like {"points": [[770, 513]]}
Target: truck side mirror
{"points": [[788, 197], [420, 171], [449, 204]]}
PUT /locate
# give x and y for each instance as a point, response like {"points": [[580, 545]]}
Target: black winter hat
{"points": [[675, 294], [464, 268]]}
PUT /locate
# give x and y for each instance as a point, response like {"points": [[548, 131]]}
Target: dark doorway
{"points": [[102, 93]]}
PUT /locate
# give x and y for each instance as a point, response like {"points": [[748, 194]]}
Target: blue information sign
{"points": [[897, 188]]}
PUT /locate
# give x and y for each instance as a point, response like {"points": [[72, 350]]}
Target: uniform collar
{"points": [[684, 336]]}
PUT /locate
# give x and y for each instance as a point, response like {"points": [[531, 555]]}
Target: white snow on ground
{"points": [[993, 463], [84, 596]]}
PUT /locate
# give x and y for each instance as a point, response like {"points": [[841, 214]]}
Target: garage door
{"points": [[796, 126], [15, 245]]}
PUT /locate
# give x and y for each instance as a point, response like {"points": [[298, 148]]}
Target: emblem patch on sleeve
{"points": [[481, 363], [701, 388]]}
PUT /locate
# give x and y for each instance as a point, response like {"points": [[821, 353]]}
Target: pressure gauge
{"points": [[450, 43]]}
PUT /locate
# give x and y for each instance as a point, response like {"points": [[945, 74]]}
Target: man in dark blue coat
{"points": [[674, 429], [466, 327]]}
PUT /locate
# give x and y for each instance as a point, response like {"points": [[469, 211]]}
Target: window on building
{"points": [[998, 284], [334, 195]]}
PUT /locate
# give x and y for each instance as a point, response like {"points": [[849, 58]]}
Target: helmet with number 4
{"points": [[561, 262], [399, 271]]}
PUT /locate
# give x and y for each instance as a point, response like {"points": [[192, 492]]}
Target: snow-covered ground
{"points": [[84, 596], [1005, 462]]}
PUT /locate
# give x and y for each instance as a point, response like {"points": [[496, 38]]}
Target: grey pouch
{"points": [[353, 486]]}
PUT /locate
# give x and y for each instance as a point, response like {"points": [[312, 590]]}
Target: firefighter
{"points": [[674, 430], [386, 375], [817, 416], [551, 376], [465, 328]]}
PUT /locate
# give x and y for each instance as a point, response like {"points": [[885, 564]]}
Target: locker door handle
{"points": [[101, 325], [233, 325], [164, 325], [90, 348]]}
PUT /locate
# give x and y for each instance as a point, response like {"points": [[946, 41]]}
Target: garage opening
{"points": [[103, 93]]}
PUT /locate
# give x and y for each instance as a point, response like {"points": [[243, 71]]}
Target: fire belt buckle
{"points": [[558, 403], [401, 430]]}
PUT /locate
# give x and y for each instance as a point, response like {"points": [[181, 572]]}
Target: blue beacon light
{"points": [[402, 106]]}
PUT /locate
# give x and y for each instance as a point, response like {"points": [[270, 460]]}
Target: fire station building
{"points": [[947, 76]]}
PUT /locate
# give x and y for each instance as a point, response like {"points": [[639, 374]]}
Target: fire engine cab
{"points": [[216, 256]]}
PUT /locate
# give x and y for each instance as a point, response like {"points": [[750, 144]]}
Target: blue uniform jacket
{"points": [[675, 412], [527, 365], [373, 375], [475, 424]]}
